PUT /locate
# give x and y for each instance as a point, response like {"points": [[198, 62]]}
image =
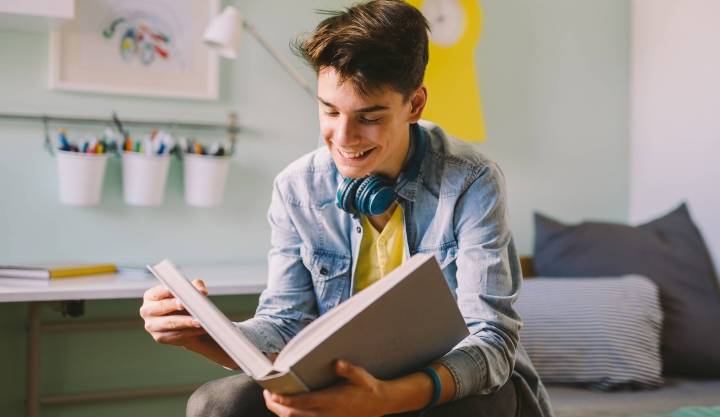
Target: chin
{"points": [[351, 172]]}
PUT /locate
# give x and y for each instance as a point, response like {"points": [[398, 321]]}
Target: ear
{"points": [[417, 104]]}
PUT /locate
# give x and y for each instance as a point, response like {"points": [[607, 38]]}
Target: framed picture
{"points": [[136, 47]]}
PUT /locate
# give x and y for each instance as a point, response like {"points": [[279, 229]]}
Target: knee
{"points": [[201, 402], [234, 396]]}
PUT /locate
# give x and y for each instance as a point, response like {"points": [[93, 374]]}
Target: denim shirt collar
{"points": [[407, 189]]}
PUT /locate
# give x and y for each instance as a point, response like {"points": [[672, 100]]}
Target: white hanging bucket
{"points": [[205, 177], [80, 177], [144, 178]]}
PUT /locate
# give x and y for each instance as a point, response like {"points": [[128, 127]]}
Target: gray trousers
{"points": [[240, 396]]}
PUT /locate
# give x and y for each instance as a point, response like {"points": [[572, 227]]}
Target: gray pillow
{"points": [[668, 250], [603, 333]]}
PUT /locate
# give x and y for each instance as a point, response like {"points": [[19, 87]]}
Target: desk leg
{"points": [[33, 359]]}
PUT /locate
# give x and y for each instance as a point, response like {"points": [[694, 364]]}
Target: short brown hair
{"points": [[381, 43]]}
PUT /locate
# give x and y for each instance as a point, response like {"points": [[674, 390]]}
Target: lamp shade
{"points": [[223, 32]]}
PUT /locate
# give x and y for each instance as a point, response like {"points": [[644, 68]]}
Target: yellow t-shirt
{"points": [[380, 252]]}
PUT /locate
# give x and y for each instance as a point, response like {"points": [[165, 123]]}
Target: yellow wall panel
{"points": [[454, 93]]}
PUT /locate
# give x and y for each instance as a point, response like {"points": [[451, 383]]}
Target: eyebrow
{"points": [[368, 109]]}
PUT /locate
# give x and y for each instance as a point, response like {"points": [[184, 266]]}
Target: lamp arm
{"points": [[276, 55]]}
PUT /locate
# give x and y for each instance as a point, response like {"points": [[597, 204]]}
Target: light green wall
{"points": [[555, 85], [554, 79]]}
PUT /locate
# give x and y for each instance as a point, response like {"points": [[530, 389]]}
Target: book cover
{"points": [[398, 325], [55, 271]]}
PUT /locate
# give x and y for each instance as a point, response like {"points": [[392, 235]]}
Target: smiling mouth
{"points": [[356, 156]]}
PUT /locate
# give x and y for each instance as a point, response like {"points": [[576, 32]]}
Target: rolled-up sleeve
{"points": [[488, 281], [288, 303]]}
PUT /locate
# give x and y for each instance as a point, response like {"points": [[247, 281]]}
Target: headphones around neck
{"points": [[373, 194]]}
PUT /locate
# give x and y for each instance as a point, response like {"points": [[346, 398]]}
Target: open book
{"points": [[395, 326]]}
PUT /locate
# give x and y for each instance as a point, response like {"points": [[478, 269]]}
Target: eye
{"points": [[369, 120], [330, 113]]}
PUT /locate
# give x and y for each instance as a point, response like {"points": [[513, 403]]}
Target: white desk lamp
{"points": [[223, 35]]}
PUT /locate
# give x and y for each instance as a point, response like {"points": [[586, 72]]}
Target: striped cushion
{"points": [[603, 332]]}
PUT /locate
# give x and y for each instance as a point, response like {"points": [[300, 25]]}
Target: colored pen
{"points": [[216, 149], [64, 143], [128, 144], [92, 146]]}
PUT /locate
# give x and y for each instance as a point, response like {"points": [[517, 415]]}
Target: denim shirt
{"points": [[456, 209]]}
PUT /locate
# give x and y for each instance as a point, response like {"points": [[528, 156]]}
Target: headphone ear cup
{"points": [[374, 195], [345, 197], [360, 194], [381, 200]]}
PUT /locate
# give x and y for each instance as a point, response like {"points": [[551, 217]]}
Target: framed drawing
{"points": [[135, 47]]}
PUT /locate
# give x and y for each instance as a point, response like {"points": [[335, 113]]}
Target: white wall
{"points": [[675, 123]]}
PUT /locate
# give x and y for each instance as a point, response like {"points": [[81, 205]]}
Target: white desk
{"points": [[220, 280]]}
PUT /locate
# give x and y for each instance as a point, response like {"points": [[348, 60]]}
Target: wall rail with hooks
{"points": [[231, 127]]}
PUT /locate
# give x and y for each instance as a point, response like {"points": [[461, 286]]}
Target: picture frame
{"points": [[136, 48]]}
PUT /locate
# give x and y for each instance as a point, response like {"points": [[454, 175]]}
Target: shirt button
{"points": [[323, 271], [358, 229]]}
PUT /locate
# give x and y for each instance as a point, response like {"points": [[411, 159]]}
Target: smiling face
{"points": [[366, 134]]}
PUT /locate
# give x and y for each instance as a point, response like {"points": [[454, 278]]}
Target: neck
{"points": [[398, 160], [381, 220]]}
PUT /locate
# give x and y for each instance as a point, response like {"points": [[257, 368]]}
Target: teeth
{"points": [[353, 155]]}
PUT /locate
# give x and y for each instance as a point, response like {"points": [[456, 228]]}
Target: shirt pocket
{"points": [[330, 275]]}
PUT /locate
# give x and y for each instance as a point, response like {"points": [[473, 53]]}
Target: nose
{"points": [[344, 134]]}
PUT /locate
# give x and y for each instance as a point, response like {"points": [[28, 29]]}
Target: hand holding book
{"points": [[166, 319], [359, 391]]}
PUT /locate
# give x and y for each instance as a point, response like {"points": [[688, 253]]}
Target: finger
{"points": [[160, 308], [283, 410], [171, 323], [158, 292], [200, 285], [305, 401], [178, 337], [271, 405], [353, 373]]}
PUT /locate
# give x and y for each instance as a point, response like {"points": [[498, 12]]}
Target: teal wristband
{"points": [[437, 387]]}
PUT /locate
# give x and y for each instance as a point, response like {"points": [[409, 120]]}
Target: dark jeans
{"points": [[240, 396]]}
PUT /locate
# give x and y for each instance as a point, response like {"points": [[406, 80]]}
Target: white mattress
{"points": [[677, 393]]}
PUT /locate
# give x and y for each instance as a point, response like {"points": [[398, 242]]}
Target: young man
{"points": [[331, 237]]}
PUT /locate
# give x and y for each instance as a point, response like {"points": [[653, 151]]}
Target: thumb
{"points": [[200, 285], [353, 373]]}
